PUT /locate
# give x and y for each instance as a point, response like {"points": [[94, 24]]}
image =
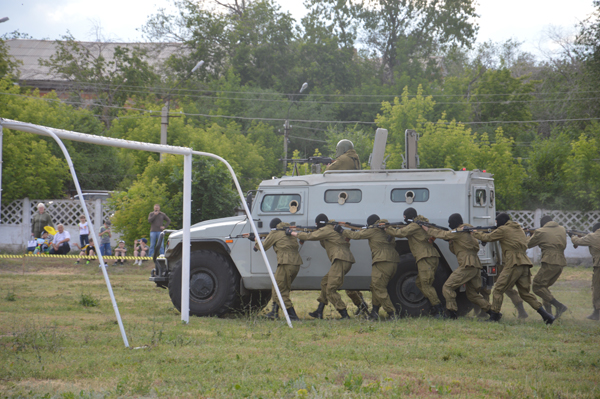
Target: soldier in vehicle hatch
{"points": [[347, 159], [288, 265], [465, 247], [338, 252], [385, 260], [426, 256], [592, 240], [552, 239], [516, 266]]}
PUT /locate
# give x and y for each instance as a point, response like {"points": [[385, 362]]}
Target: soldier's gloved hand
{"points": [[255, 249], [251, 237], [338, 228], [288, 232]]}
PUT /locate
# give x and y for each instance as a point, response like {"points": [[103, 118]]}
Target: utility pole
{"points": [[164, 119], [287, 127]]}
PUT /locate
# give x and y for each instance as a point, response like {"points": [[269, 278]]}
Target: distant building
{"points": [[32, 74]]}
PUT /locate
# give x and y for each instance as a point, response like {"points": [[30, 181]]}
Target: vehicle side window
{"points": [[348, 196], [279, 202], [405, 195], [480, 197]]}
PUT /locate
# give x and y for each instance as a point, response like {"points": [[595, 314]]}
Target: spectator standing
{"points": [[60, 244], [105, 235], [40, 220], [156, 219], [84, 232]]}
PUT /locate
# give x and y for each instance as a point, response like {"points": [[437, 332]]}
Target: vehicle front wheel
{"points": [[214, 284]]}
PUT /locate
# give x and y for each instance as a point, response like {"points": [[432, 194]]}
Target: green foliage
{"points": [[162, 183], [498, 158], [405, 113], [582, 172], [447, 145], [88, 301]]}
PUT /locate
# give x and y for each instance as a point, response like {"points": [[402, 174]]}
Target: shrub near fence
{"points": [[15, 220]]}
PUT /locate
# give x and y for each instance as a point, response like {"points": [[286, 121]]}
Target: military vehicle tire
{"points": [[403, 291], [255, 301], [214, 283]]}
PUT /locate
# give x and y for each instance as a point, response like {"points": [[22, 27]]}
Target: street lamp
{"points": [[164, 122], [287, 126]]}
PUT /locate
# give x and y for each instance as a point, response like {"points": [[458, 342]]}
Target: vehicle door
{"points": [[290, 206]]}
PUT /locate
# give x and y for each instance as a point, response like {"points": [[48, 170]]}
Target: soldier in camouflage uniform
{"points": [[347, 159], [338, 251], [288, 265], [592, 240], [426, 256], [516, 267], [385, 261], [465, 247], [552, 239]]}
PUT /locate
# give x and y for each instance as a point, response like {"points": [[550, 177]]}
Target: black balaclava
{"points": [[321, 220], [501, 219], [372, 219], [545, 220], [455, 220], [410, 213], [274, 223], [596, 227]]}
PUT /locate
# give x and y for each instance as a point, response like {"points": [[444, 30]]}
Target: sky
{"points": [[120, 20]]}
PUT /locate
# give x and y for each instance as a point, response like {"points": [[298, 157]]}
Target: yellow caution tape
{"points": [[73, 256]]}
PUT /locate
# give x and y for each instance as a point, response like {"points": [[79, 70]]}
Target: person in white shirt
{"points": [[60, 244], [84, 232]]}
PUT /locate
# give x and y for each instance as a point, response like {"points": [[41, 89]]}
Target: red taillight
{"points": [[484, 171], [464, 169], [493, 270]]}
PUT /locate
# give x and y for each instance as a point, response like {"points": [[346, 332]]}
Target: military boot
{"points": [[595, 315], [438, 312], [374, 315], [452, 314], [560, 308], [344, 314], [318, 314], [274, 313], [522, 313], [494, 316], [292, 314], [548, 307], [548, 318], [362, 308]]}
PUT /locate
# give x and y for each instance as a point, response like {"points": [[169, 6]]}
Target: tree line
{"points": [[397, 64]]}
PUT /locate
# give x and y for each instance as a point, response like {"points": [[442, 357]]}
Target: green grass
{"points": [[52, 345]]}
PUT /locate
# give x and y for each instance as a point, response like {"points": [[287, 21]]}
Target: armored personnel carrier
{"points": [[227, 275]]}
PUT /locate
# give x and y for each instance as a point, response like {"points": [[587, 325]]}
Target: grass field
{"points": [[59, 338]]}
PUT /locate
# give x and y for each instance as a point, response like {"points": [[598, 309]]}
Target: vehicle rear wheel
{"points": [[214, 284], [403, 291]]}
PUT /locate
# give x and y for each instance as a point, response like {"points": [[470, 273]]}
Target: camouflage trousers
{"points": [[471, 277], [332, 281], [511, 276], [381, 274], [511, 293], [356, 297], [284, 277], [424, 281], [544, 279]]}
